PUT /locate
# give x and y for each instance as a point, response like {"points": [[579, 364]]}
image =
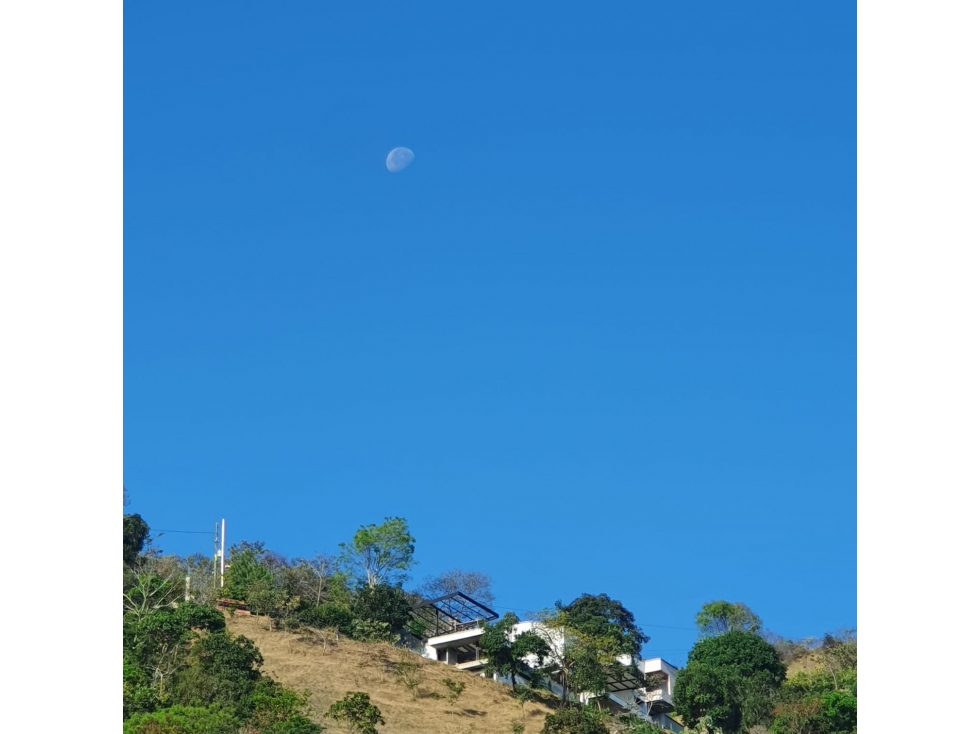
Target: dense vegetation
{"points": [[183, 671], [735, 680]]}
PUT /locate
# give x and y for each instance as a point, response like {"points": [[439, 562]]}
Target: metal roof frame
{"points": [[451, 613]]}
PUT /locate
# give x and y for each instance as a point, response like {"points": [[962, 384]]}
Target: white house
{"points": [[451, 627]]}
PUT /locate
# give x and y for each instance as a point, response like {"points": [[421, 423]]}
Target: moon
{"points": [[399, 159]]}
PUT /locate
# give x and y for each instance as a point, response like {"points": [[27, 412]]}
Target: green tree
{"points": [[338, 617], [380, 554], [742, 652], [246, 570], [592, 663], [506, 654], [266, 597], [357, 712], [729, 682], [135, 535], [155, 644], [138, 694], [586, 639], [718, 617], [220, 669], [278, 710], [839, 712], [384, 604], [182, 672], [598, 616], [708, 698]]}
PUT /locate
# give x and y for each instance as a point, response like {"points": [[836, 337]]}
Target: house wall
{"points": [[443, 651]]}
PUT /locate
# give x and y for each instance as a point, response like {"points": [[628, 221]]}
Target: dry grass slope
{"points": [[329, 669], [809, 661]]}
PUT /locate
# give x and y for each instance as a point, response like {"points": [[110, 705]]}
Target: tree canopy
{"points": [[718, 617], [507, 653], [135, 534], [598, 616], [182, 671], [380, 553], [730, 680]]}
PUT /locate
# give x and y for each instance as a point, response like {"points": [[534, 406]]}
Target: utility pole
{"points": [[222, 553], [217, 551]]}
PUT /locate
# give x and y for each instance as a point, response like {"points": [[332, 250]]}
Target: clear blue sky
{"points": [[600, 336]]}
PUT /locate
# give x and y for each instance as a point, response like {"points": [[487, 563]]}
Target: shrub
{"points": [[183, 720], [278, 710], [329, 615], [455, 689], [575, 720], [220, 670], [839, 710], [370, 630], [387, 604], [357, 712], [408, 670]]}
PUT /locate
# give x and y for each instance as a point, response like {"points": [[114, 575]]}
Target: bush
{"points": [[575, 720], [369, 630], [455, 689], [839, 710], [638, 726], [138, 696], [408, 670], [386, 604], [220, 670], [357, 712], [183, 720], [278, 710], [329, 615]]}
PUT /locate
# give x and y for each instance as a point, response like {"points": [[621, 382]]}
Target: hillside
{"points": [[808, 662], [330, 670], [189, 666]]}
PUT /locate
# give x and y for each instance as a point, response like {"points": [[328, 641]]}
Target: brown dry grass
{"points": [[330, 670], [809, 661]]}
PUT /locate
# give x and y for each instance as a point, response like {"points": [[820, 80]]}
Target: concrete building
{"points": [[451, 626]]}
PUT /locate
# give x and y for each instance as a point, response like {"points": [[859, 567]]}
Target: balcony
{"points": [[461, 638]]}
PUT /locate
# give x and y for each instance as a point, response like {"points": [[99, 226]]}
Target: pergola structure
{"points": [[624, 678], [451, 613]]}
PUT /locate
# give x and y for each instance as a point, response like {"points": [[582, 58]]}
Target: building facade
{"points": [[449, 630]]}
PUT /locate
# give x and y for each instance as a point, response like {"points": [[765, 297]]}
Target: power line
{"points": [[638, 622], [192, 532]]}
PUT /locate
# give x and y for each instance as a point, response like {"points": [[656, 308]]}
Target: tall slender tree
{"points": [[380, 554]]}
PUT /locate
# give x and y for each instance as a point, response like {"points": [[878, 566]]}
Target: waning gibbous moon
{"points": [[399, 159]]}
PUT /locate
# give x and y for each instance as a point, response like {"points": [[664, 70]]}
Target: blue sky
{"points": [[600, 336]]}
